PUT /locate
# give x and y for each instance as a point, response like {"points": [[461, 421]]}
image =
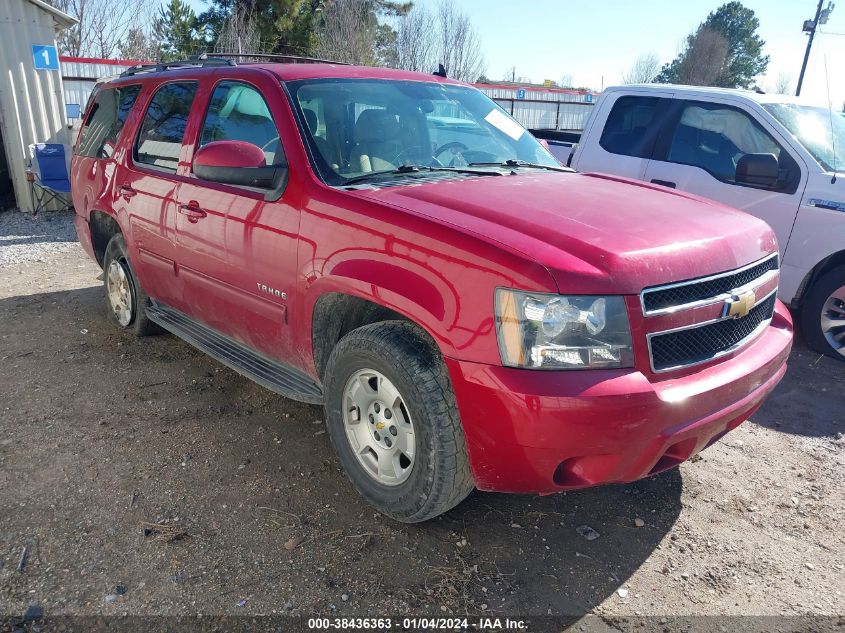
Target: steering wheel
{"points": [[457, 148], [434, 162]]}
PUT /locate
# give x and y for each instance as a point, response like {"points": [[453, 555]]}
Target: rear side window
{"points": [[633, 125], [238, 112], [160, 139], [99, 135]]}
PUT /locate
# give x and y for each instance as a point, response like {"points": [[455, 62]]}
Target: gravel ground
{"points": [[24, 237], [144, 478]]}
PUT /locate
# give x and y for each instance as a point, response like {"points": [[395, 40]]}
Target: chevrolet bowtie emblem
{"points": [[739, 305]]}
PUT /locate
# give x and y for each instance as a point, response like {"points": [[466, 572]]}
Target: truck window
{"points": [[238, 112], [98, 137], [633, 125], [811, 126], [371, 126], [160, 138], [714, 137]]}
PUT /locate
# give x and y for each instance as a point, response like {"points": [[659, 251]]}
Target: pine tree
{"points": [[724, 51], [176, 29]]}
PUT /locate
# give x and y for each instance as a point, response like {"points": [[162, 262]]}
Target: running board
{"points": [[268, 373]]}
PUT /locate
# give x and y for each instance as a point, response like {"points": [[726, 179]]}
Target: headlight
{"points": [[543, 331]]}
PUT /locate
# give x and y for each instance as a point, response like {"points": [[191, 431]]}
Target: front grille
{"points": [[705, 288], [699, 344]]}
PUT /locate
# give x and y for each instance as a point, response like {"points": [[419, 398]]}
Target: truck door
{"points": [[622, 147], [236, 249], [146, 184], [699, 152]]}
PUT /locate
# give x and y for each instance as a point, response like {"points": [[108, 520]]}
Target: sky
{"points": [[596, 41]]}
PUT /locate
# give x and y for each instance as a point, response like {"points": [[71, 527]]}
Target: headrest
{"points": [[376, 125], [247, 101], [310, 119]]}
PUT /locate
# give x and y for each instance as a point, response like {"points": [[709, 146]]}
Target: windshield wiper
{"points": [[418, 169], [521, 163]]}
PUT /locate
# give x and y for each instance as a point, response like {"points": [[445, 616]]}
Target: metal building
{"points": [[79, 75], [541, 108], [31, 95]]}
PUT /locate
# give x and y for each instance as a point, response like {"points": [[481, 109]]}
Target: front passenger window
{"points": [[238, 112], [714, 137]]}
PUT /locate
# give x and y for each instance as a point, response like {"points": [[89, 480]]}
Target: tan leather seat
{"points": [[377, 141]]}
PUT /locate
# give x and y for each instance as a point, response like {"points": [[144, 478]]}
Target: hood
{"points": [[595, 233]]}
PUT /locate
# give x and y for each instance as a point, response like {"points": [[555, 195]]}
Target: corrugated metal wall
{"points": [[544, 108], [79, 78], [31, 101], [536, 115]]}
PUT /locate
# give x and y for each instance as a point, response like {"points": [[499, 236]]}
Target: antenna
{"points": [[830, 114]]}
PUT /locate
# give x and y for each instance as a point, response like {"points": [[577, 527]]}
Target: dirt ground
{"points": [[143, 477]]}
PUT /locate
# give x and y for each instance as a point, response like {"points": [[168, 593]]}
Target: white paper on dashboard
{"points": [[507, 125]]}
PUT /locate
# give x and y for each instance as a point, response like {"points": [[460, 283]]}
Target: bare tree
{"points": [[459, 45], [346, 31], [643, 71], [137, 44], [102, 26], [565, 80], [783, 84], [705, 59], [415, 41], [240, 32]]}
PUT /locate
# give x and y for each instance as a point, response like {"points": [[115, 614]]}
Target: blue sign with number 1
{"points": [[45, 57]]}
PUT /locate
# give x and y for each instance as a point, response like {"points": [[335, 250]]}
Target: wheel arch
{"points": [[834, 260], [103, 227], [341, 308]]}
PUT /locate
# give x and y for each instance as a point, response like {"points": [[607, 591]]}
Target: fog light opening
{"points": [[674, 455]]}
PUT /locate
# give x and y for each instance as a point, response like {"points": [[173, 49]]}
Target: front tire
{"points": [[126, 301], [393, 420], [823, 314]]}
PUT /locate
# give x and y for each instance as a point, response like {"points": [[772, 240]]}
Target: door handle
{"points": [[665, 183], [127, 192], [193, 211]]}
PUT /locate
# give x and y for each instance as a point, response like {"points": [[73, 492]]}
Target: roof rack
{"points": [[202, 61], [287, 59]]}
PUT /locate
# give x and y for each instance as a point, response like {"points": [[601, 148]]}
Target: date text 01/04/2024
{"points": [[418, 623]]}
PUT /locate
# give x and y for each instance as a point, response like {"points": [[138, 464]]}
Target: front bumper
{"points": [[542, 432]]}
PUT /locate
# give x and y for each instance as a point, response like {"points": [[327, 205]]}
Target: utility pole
{"points": [[810, 27]]}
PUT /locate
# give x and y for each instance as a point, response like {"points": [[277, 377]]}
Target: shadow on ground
{"points": [[809, 399]]}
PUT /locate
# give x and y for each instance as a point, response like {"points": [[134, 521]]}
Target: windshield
{"points": [[366, 126], [811, 126]]}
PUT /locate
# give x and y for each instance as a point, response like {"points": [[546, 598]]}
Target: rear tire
{"points": [[391, 372], [823, 314], [126, 301]]}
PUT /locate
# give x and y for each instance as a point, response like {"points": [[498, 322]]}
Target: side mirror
{"points": [[759, 170], [242, 164]]}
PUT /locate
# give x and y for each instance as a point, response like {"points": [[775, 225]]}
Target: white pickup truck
{"points": [[770, 155]]}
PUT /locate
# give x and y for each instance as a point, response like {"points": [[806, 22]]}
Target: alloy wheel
{"points": [[378, 427], [833, 320], [119, 292]]}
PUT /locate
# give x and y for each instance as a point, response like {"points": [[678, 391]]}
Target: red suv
{"points": [[396, 247]]}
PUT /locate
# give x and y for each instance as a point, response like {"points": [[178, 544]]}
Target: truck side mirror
{"points": [[758, 170], [240, 163]]}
